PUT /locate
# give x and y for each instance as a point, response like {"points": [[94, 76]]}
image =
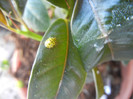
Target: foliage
{"points": [[91, 32]]}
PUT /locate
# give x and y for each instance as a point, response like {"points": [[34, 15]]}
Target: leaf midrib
{"points": [[60, 83], [102, 29]]}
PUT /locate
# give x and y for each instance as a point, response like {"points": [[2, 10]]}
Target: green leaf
{"points": [[98, 83], [36, 15], [55, 74], [102, 30], [49, 64]]}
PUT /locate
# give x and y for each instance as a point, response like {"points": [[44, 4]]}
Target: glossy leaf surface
{"points": [[102, 30], [55, 74]]}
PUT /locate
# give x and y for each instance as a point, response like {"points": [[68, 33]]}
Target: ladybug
{"points": [[50, 42]]}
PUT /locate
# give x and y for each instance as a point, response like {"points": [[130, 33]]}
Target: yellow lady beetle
{"points": [[50, 42]]}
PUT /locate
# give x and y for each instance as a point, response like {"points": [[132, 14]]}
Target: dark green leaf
{"points": [[36, 15], [102, 30], [49, 65], [54, 75]]}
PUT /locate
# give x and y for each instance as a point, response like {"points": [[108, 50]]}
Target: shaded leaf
{"points": [[102, 30], [36, 15]]}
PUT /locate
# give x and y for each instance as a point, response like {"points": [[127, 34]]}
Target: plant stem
{"points": [[30, 35]]}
